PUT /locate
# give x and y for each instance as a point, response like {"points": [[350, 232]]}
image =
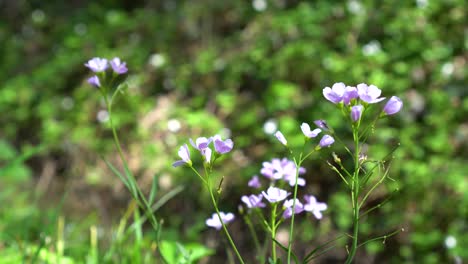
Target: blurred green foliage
{"points": [[204, 67]]}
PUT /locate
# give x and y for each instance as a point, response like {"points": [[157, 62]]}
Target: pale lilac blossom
{"points": [[312, 205], [288, 208], [281, 138], [94, 81], [356, 112], [351, 93], [118, 66], [369, 93], [306, 130], [254, 182], [274, 194], [215, 222], [97, 64], [393, 105], [282, 169], [336, 93], [200, 143], [253, 201], [322, 124], [184, 154], [206, 153], [222, 147], [326, 141]]}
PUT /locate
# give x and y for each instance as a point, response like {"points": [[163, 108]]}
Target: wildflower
{"points": [[200, 143], [334, 94], [206, 153], [281, 138], [215, 222], [94, 81], [118, 66], [282, 169], [274, 194], [326, 141], [393, 105], [184, 154], [350, 94], [322, 124], [316, 208], [356, 112], [254, 182], [288, 210], [97, 64], [221, 146], [306, 130], [253, 201], [369, 94]]}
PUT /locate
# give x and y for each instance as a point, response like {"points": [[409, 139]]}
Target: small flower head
{"points": [[356, 112], [254, 182], [288, 208], [281, 138], [215, 222], [306, 130], [200, 143], [336, 93], [326, 141], [221, 146], [253, 201], [316, 208], [274, 195], [369, 93], [184, 154], [322, 124], [350, 94], [393, 105], [118, 66], [97, 64], [206, 153], [94, 81]]}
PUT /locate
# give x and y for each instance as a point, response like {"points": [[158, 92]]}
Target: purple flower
{"points": [[336, 93], [97, 64], [306, 130], [118, 66], [253, 201], [316, 208], [356, 112], [254, 182], [94, 81], [184, 154], [350, 93], [288, 208], [326, 141], [393, 105], [274, 195], [282, 169], [322, 124], [206, 153], [221, 146], [281, 138], [369, 94], [215, 222], [200, 143]]}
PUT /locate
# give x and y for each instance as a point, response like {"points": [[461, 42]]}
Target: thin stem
{"points": [[291, 227], [255, 238], [273, 232]]}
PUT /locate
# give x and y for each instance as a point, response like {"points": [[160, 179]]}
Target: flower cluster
{"points": [[359, 97], [215, 222], [279, 172], [99, 67], [326, 140], [202, 144]]}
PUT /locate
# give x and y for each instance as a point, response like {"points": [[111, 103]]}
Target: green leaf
{"points": [[286, 251], [154, 190]]}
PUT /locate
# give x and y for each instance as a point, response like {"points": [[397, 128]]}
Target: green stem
{"points": [[355, 195], [291, 227], [273, 232]]}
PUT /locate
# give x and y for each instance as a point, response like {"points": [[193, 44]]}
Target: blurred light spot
{"points": [[283, 236], [165, 182], [80, 29], [102, 116], [157, 60], [259, 5], [450, 242], [371, 48], [355, 7], [447, 69], [270, 126], [173, 125], [421, 3], [38, 16], [67, 103], [225, 133]]}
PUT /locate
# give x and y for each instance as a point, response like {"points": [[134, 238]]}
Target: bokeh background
{"points": [[242, 69]]}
